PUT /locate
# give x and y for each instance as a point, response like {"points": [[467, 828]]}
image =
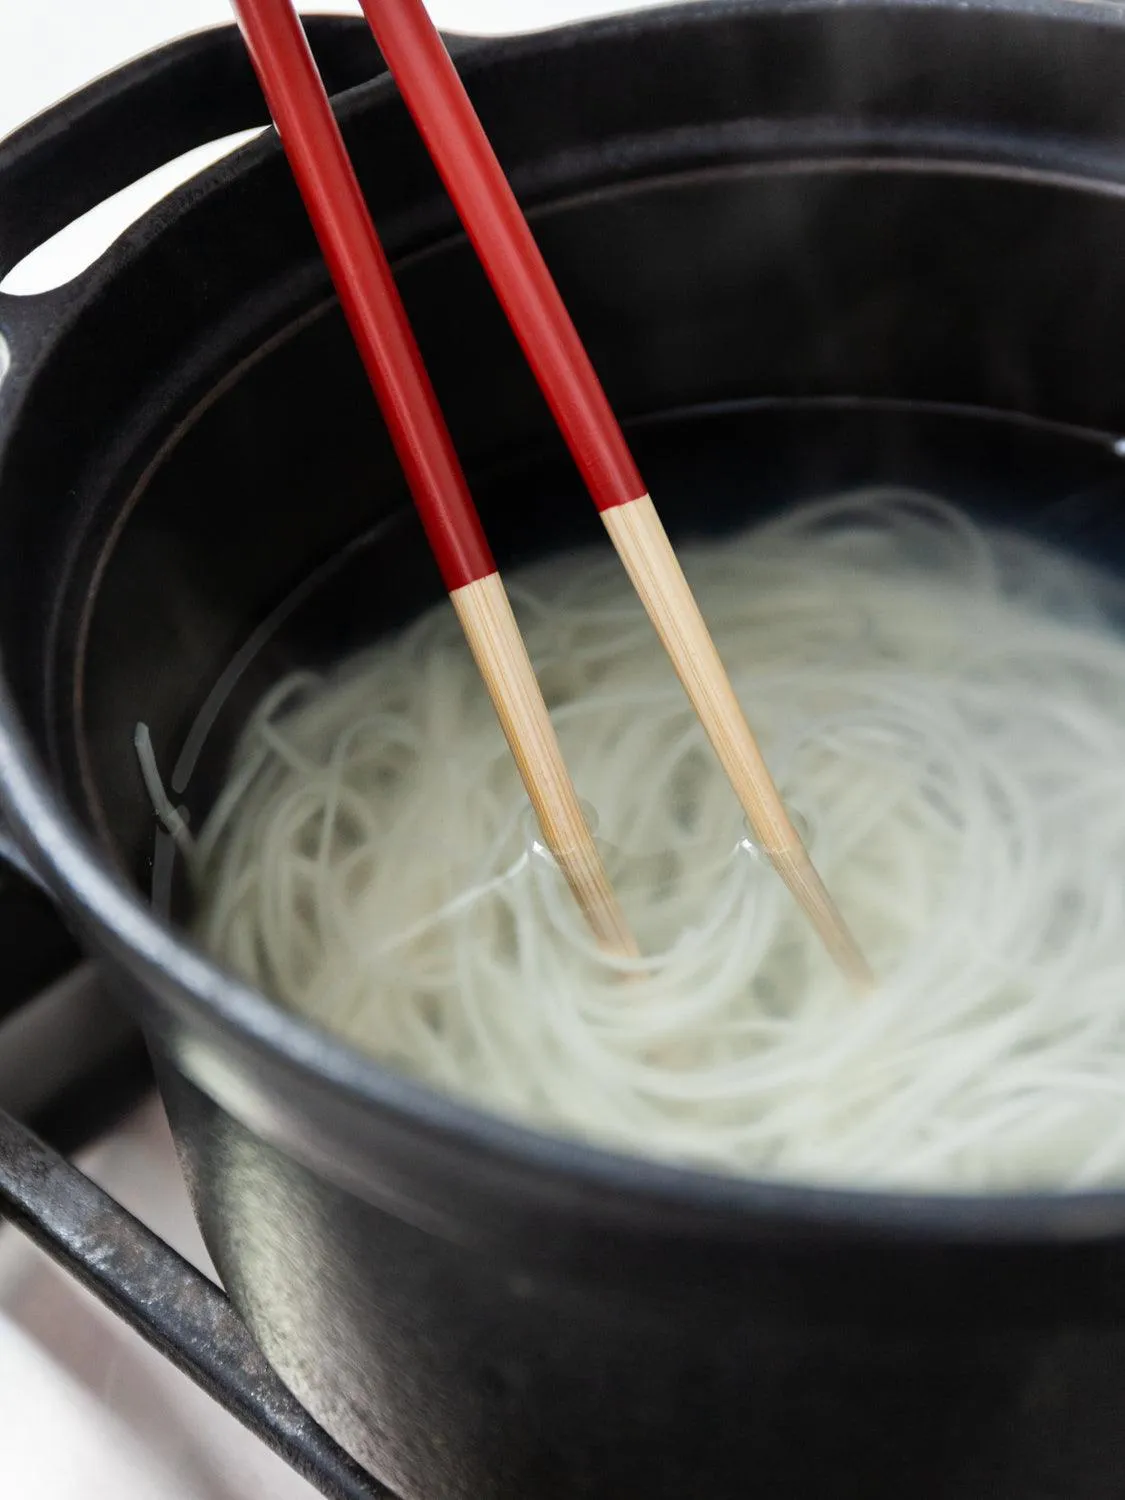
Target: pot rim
{"points": [[201, 996]]}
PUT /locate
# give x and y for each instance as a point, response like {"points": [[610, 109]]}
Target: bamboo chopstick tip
{"points": [[796, 869], [494, 638]]}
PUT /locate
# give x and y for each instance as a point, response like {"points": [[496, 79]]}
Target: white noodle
{"points": [[945, 708], [172, 817]]}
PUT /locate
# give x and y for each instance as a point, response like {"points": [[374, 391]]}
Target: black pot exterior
{"points": [[793, 236]]}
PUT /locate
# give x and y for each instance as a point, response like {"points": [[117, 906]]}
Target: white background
{"points": [[86, 1411]]}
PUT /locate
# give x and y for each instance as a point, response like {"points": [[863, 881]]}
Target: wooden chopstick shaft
{"points": [[362, 275], [494, 638], [642, 543]]}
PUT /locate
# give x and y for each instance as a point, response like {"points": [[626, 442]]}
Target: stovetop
{"points": [[90, 1410]]}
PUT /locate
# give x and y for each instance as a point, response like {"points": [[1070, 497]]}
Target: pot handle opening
{"points": [[128, 123], [174, 1307]]}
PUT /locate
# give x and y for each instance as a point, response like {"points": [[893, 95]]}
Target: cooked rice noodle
{"points": [[943, 707]]}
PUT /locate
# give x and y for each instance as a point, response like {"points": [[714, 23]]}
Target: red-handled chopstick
{"points": [[429, 83], [311, 138]]}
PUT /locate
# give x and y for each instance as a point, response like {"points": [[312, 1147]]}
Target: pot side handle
{"points": [[138, 117], [168, 1302]]}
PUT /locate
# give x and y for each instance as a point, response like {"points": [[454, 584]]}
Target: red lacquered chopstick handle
{"points": [[362, 276], [474, 180]]}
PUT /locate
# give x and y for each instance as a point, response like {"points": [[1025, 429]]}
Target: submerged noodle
{"points": [[944, 709]]}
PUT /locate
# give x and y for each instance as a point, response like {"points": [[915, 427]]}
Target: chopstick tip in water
{"points": [[650, 560], [494, 638], [800, 877]]}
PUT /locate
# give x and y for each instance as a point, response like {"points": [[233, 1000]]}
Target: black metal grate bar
{"points": [[171, 1305]]}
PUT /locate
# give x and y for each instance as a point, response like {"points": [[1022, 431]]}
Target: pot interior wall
{"points": [[769, 332]]}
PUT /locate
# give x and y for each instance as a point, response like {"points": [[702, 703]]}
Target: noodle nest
{"points": [[944, 709]]}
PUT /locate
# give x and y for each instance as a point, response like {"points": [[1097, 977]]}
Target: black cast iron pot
{"points": [[808, 244]]}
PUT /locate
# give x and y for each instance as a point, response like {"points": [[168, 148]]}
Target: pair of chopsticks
{"points": [[455, 139]]}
